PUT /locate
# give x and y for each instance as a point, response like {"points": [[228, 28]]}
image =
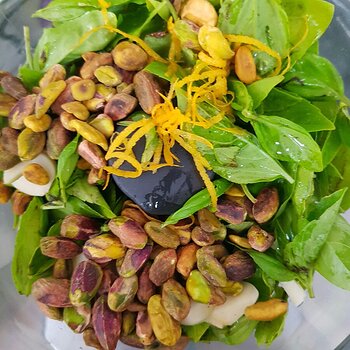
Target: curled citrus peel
{"points": [[207, 82]]}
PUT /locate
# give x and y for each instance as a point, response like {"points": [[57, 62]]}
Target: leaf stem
{"points": [[29, 57]]}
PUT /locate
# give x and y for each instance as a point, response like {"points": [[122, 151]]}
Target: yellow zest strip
{"points": [[125, 173], [123, 135], [306, 32], [218, 62], [259, 45], [158, 153], [131, 37], [104, 10], [201, 165], [285, 70]]}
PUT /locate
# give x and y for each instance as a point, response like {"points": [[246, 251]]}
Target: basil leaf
{"points": [[303, 190], [63, 43], [314, 76], [267, 332], [251, 163], [198, 201], [66, 165], [272, 267], [90, 194], [32, 226], [74, 205], [296, 109], [39, 264], [287, 141], [196, 332], [235, 334], [308, 20], [307, 244], [260, 89], [264, 20], [333, 262]]}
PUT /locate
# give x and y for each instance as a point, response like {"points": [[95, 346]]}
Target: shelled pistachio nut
{"points": [[198, 288], [52, 292], [129, 322], [23, 108], [85, 282], [77, 318], [266, 205], [131, 234], [165, 328], [30, 144], [59, 248], [175, 299], [106, 323], [163, 266], [104, 248], [164, 236], [186, 259], [79, 227], [122, 293], [134, 260], [239, 266], [144, 328], [129, 56], [146, 287]]}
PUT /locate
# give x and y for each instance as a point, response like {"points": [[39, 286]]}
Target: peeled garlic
{"points": [[14, 176]]}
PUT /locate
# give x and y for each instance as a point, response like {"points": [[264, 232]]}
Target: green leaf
{"points": [[66, 165], [30, 77], [314, 76], [198, 201], [308, 20], [32, 226], [260, 89], [62, 44], [39, 264], [196, 332], [243, 100], [333, 262], [307, 244], [264, 20], [74, 206], [296, 109], [90, 194], [272, 267], [287, 141], [303, 190], [235, 334], [152, 142], [267, 332]]}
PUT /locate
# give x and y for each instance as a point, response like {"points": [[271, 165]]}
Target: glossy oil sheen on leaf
{"points": [[308, 243], [334, 259], [32, 226], [287, 141]]}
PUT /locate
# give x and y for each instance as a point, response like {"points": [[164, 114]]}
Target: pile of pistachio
{"points": [[42, 122], [135, 280]]}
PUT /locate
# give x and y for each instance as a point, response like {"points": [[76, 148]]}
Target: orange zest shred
{"points": [[206, 82]]}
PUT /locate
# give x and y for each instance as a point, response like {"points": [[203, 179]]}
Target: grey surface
{"points": [[319, 324]]}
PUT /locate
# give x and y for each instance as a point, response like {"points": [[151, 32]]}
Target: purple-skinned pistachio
{"points": [[202, 237], [104, 248], [231, 212], [77, 318], [134, 260], [62, 268], [122, 293], [266, 205], [129, 322], [146, 287], [54, 313], [90, 339], [144, 328], [164, 236], [92, 154], [85, 282], [79, 227], [52, 292], [59, 247], [131, 233], [108, 279], [163, 266], [239, 266], [106, 323]]}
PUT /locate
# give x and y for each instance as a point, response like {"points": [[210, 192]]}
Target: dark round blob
{"points": [[168, 189]]}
